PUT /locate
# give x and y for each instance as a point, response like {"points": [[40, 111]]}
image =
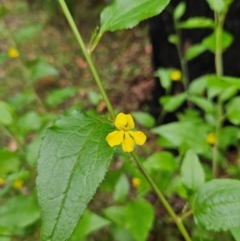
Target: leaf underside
{"points": [[74, 158]]}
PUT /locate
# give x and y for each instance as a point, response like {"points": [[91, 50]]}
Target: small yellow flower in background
{"points": [[211, 138], [17, 184], [136, 182], [176, 75], [13, 53], [124, 123], [2, 182]]}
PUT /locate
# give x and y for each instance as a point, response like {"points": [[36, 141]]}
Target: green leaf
{"points": [[94, 97], [122, 14], [19, 212], [192, 174], [171, 103], [173, 39], [229, 136], [57, 97], [8, 162], [90, 222], [143, 119], [233, 110], [198, 85], [202, 103], [5, 113], [160, 161], [194, 50], [42, 69], [216, 5], [164, 78], [179, 10], [197, 22], [27, 32], [210, 41], [137, 217], [122, 188], [74, 158], [217, 205], [235, 233]]}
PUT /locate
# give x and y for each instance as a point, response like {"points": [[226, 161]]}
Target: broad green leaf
{"points": [[235, 233], [27, 32], [171, 103], [216, 5], [94, 97], [233, 110], [229, 136], [57, 97], [164, 78], [194, 50], [179, 10], [122, 14], [136, 217], [160, 161], [5, 113], [217, 205], [202, 103], [89, 223], [8, 162], [143, 119], [198, 85], [122, 188], [74, 157], [19, 212], [197, 22], [173, 39], [42, 69], [210, 41], [192, 174]]}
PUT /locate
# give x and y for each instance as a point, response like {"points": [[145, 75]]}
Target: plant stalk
{"points": [[87, 56], [163, 200], [219, 20]]}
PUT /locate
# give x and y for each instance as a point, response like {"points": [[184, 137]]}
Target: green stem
{"points": [[219, 19], [87, 56], [163, 200]]}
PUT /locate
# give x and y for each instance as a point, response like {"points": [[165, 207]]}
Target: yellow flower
{"points": [[136, 182], [211, 138], [176, 75], [13, 53], [2, 181], [17, 184], [124, 123]]}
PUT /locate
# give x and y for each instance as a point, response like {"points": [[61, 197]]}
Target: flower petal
{"points": [[124, 122], [138, 136], [115, 138], [128, 143]]}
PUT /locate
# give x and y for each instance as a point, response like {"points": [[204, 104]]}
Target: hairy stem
{"points": [[87, 56], [163, 200]]}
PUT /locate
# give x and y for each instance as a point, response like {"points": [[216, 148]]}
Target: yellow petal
{"points": [[124, 122], [128, 143], [138, 136], [115, 138]]}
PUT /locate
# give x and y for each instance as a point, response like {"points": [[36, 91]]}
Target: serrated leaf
{"points": [[217, 205], [192, 174], [198, 85], [74, 158], [123, 14]]}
